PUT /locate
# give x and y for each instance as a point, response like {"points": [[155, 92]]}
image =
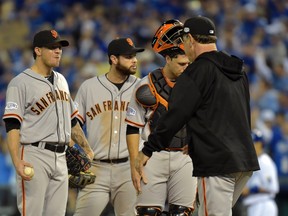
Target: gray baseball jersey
{"points": [[137, 115], [102, 106], [45, 111], [168, 172]]}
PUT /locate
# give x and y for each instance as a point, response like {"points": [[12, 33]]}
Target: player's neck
{"points": [[116, 77], [41, 69], [168, 74]]}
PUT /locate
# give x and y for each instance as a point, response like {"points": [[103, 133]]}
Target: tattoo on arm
{"points": [[79, 137]]}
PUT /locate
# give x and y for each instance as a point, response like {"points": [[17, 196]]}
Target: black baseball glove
{"points": [[82, 179], [77, 161]]}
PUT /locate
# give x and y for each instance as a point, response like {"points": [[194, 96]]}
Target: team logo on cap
{"points": [[211, 31], [54, 33], [130, 42], [186, 29]]}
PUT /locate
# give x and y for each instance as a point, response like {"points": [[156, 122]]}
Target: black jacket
{"points": [[212, 98]]}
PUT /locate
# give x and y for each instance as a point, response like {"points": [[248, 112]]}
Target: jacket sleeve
{"points": [[184, 100]]}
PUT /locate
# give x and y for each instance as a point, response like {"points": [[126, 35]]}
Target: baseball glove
{"points": [[77, 160], [82, 179]]}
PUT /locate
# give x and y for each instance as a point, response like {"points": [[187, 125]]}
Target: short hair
{"points": [[172, 52], [205, 39]]}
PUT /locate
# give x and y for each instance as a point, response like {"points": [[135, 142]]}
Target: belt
{"points": [[173, 149], [51, 146], [113, 161]]}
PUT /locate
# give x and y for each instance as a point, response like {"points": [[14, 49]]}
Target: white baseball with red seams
{"points": [[29, 171]]}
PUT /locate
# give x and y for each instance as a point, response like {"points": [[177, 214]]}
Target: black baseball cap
{"points": [[199, 26], [48, 37], [123, 46]]}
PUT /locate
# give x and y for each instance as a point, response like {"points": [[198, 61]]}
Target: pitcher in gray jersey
{"points": [[102, 102], [40, 122]]}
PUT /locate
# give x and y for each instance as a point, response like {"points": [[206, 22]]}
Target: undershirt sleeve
{"points": [[12, 123], [73, 122], [132, 130]]}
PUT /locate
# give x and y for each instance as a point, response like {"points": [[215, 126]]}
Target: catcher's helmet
{"points": [[257, 135], [168, 36]]}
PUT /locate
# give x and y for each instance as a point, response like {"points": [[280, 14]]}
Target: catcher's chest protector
{"points": [[162, 92]]}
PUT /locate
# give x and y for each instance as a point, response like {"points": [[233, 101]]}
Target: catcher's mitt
{"points": [[81, 180], [77, 160]]}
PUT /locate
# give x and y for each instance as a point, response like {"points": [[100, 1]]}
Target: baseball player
{"points": [[39, 114], [102, 103], [262, 187], [169, 172]]}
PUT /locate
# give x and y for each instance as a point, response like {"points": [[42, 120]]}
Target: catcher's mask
{"points": [[168, 36]]}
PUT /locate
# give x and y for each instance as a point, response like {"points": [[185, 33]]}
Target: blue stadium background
{"points": [[255, 30]]}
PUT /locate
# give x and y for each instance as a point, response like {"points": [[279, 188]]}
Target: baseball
{"points": [[29, 171]]}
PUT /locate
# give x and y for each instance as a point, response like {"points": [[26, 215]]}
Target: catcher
{"points": [[148, 103], [78, 164]]}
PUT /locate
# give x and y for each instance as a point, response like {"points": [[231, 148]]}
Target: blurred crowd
{"points": [[255, 30]]}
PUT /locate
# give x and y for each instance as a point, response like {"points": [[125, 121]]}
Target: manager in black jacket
{"points": [[212, 98]]}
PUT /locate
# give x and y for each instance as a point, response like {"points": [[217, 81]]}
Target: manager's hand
{"points": [[140, 162]]}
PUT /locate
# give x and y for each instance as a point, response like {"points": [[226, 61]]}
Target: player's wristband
{"points": [[254, 190]]}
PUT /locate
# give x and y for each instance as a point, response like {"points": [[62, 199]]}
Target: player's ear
{"points": [[37, 50], [114, 59], [168, 58], [191, 39]]}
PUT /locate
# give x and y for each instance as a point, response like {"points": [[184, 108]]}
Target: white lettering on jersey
{"points": [[131, 111], [11, 106]]}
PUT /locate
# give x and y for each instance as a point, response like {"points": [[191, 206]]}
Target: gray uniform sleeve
{"points": [[135, 115], [81, 104], [14, 102]]}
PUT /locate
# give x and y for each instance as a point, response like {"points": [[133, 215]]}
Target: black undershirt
{"points": [[119, 85], [50, 78], [12, 123], [132, 130]]}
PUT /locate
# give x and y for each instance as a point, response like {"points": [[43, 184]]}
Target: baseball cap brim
{"points": [[133, 51], [64, 43]]}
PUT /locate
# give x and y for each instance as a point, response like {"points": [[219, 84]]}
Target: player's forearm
{"points": [[78, 136], [133, 146], [13, 139]]}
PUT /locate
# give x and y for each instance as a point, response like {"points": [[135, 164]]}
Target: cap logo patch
{"points": [[54, 33], [211, 31], [11, 106], [186, 29], [130, 42]]}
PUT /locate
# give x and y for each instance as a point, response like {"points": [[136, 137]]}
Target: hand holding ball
{"points": [[29, 171]]}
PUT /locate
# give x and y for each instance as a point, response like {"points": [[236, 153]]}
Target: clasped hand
{"points": [[140, 162]]}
